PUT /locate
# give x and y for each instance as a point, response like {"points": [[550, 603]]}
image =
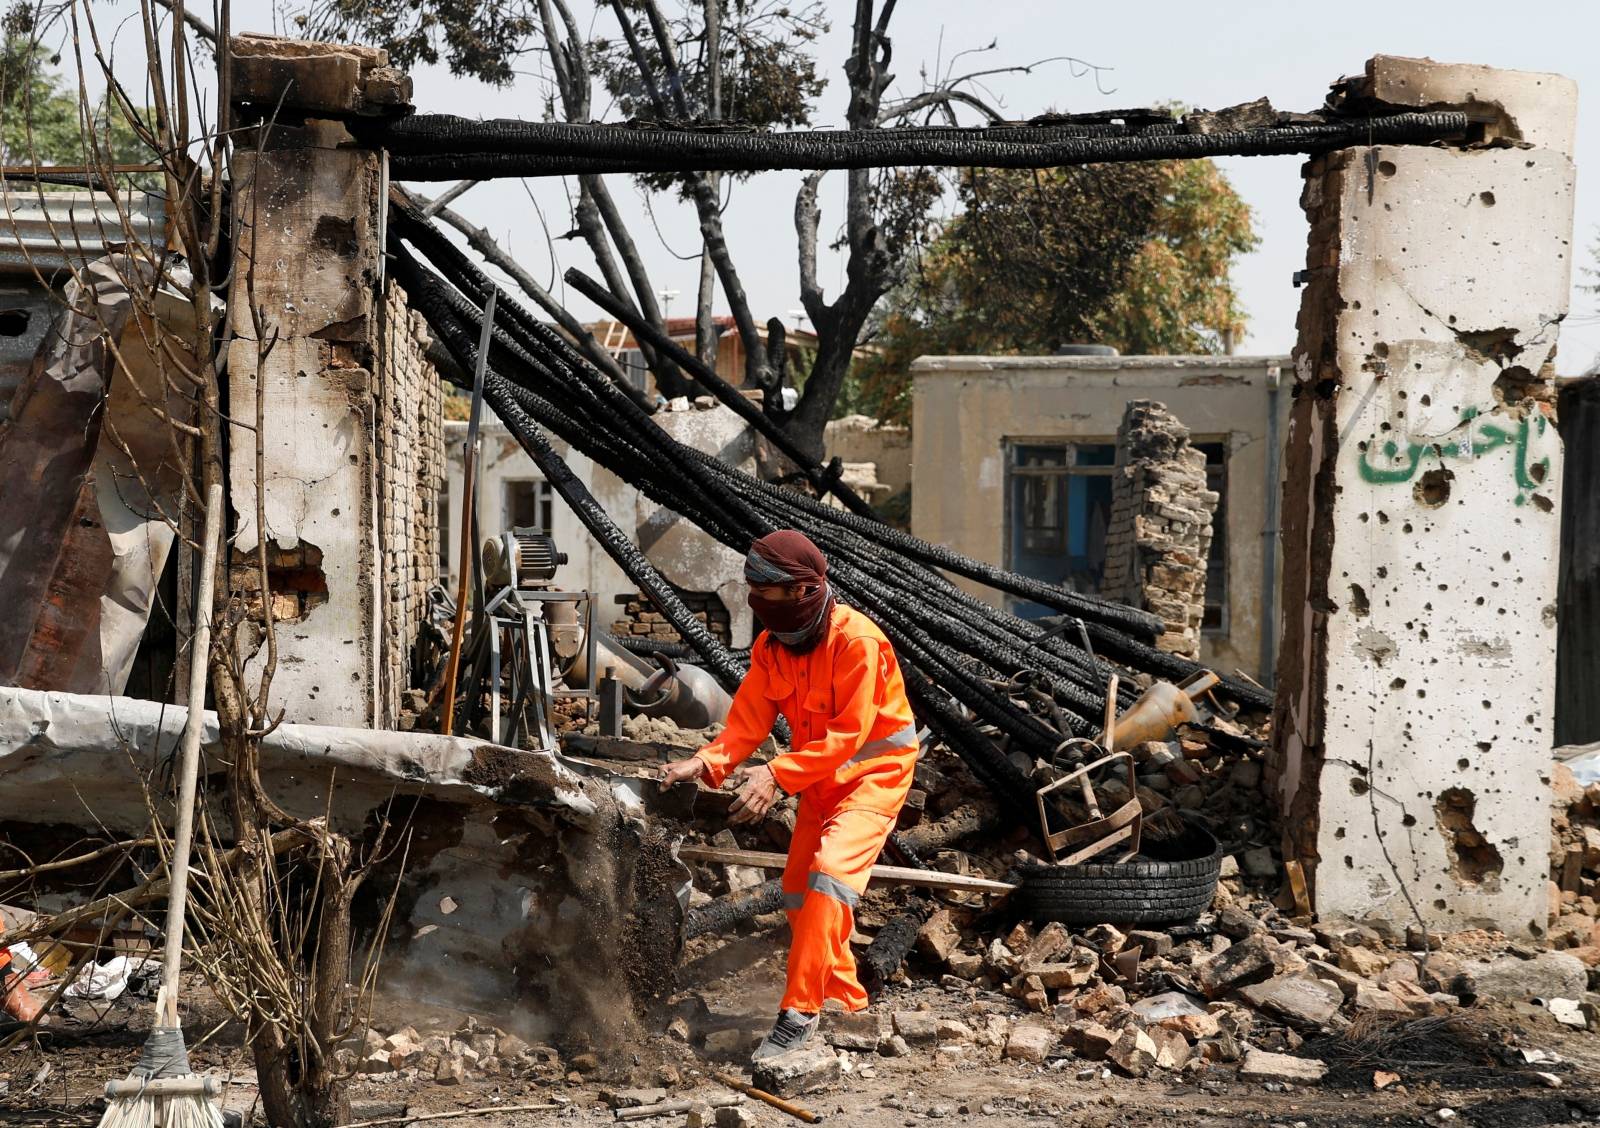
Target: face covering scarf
{"points": [[789, 557]]}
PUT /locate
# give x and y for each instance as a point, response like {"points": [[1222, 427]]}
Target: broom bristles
{"points": [[151, 1111]]}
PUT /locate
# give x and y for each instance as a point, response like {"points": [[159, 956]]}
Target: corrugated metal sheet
{"points": [[62, 230]]}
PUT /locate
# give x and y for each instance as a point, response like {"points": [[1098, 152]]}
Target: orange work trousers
{"points": [[831, 855]]}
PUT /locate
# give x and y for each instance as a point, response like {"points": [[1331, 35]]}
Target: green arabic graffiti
{"points": [[1478, 438]]}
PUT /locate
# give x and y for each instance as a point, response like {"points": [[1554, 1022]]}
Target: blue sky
{"points": [[1207, 55]]}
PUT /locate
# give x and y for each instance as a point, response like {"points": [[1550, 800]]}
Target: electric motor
{"points": [[521, 558]]}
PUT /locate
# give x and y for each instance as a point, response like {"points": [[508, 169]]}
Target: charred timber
{"points": [[444, 147], [734, 909], [893, 943], [729, 396]]}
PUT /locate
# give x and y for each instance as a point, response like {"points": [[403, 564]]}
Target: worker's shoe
{"points": [[792, 1031]]}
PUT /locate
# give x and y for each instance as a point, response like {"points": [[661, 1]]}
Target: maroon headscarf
{"points": [[789, 557]]}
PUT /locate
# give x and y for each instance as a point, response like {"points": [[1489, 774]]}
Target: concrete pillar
{"points": [[1415, 682], [311, 206]]}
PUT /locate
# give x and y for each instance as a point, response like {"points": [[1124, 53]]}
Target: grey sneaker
{"points": [[792, 1031]]}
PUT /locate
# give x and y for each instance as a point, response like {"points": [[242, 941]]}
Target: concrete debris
{"points": [[1259, 1065], [917, 1027], [1299, 1001], [735, 1116], [1030, 1042], [1249, 961], [1547, 975], [803, 1071], [863, 1031], [1134, 1052]]}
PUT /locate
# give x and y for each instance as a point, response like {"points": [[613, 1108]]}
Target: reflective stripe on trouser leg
{"points": [[803, 843], [821, 966]]}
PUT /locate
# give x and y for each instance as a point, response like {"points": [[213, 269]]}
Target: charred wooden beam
{"points": [[445, 147]]}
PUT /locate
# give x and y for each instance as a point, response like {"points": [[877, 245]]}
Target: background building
{"points": [[1012, 460]]}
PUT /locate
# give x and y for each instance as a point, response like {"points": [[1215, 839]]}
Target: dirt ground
{"points": [[736, 986]]}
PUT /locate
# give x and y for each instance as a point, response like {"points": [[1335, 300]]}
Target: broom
{"points": [[162, 1092]]}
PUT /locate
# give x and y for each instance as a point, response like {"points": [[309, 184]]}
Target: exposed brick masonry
{"points": [[1160, 528]]}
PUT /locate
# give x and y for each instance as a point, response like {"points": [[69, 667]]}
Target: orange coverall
{"points": [[851, 760]]}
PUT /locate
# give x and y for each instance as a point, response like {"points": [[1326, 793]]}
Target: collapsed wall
{"points": [[1416, 676]]}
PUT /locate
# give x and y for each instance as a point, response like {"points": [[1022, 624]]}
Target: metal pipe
{"points": [[1268, 673]]}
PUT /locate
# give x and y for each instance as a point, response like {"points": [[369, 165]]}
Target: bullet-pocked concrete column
{"points": [[1416, 678], [310, 205]]}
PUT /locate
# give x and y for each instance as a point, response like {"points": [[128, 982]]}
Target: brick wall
{"points": [[641, 618], [410, 449], [1160, 528]]}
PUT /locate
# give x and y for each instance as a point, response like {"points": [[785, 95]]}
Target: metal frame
{"points": [[519, 615], [1101, 832]]}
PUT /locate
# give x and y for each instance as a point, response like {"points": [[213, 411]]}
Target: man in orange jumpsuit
{"points": [[831, 672]]}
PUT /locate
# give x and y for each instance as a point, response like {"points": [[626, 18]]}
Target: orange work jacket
{"points": [[854, 739]]}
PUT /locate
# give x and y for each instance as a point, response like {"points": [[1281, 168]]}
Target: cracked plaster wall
{"points": [[310, 218], [1417, 676]]}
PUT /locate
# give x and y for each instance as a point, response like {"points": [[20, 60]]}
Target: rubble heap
{"points": [[1575, 866]]}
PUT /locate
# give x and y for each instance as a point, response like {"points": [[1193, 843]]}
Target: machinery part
{"points": [[611, 660], [1101, 832], [687, 695], [1162, 708], [609, 693], [1172, 882], [521, 558]]}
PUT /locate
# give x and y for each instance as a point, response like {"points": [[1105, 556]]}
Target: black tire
{"points": [[1170, 883]]}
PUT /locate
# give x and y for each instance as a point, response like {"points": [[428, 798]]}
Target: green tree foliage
{"points": [[43, 120], [1133, 255]]}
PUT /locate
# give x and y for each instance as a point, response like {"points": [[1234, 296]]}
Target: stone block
{"points": [[1172, 1048], [1548, 975], [1134, 1052], [863, 1031], [800, 1072], [1090, 1039], [1259, 1065], [1031, 1042], [1249, 961], [917, 1027], [938, 937], [1299, 1001]]}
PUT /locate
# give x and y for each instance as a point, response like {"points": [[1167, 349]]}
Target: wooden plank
{"points": [[888, 875]]}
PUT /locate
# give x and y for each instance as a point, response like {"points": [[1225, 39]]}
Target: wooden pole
{"points": [[776, 1102], [888, 875], [469, 483], [189, 756]]}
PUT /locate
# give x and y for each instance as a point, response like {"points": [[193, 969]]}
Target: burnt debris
{"points": [[974, 672]]}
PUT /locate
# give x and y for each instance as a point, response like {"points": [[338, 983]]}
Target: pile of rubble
{"points": [[1575, 865], [452, 1057]]}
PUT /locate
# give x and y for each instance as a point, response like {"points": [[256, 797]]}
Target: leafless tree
{"points": [[674, 68], [273, 890]]}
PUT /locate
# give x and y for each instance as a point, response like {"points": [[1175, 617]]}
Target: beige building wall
{"points": [[967, 410]]}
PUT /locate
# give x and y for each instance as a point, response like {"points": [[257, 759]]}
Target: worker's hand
{"points": [[680, 770], [757, 793]]}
